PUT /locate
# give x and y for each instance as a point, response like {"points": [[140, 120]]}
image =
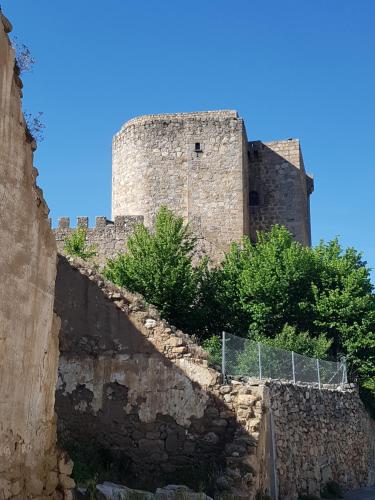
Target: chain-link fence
{"points": [[247, 358]]}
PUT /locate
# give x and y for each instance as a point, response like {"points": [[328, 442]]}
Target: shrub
{"points": [[213, 346], [75, 245]]}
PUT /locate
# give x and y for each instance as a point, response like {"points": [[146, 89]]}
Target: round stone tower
{"points": [[194, 163]]}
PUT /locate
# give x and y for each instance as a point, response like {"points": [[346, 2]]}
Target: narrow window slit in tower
{"points": [[254, 198], [198, 147]]}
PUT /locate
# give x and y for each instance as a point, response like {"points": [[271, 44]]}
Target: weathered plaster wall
{"points": [[155, 163], [108, 237], [277, 174], [28, 328], [134, 386]]}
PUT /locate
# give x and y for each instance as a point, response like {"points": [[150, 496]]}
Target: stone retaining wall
{"points": [[321, 435], [133, 385]]}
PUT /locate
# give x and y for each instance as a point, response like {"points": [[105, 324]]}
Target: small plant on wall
{"points": [[24, 59], [34, 127], [76, 245]]}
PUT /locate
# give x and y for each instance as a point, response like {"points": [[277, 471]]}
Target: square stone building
{"points": [[202, 166]]}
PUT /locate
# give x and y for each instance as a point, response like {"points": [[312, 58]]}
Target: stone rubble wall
{"points": [[137, 387], [277, 174], [321, 435], [108, 237], [142, 390], [133, 385], [29, 462], [155, 163]]}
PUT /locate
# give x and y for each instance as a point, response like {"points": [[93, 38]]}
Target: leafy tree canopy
{"points": [[324, 293], [316, 301], [159, 265]]}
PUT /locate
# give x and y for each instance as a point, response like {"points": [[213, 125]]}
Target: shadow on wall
{"points": [[279, 189], [136, 392]]}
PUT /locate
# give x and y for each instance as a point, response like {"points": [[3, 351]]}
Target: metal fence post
{"points": [[223, 355], [344, 374], [260, 362], [317, 368], [294, 368]]}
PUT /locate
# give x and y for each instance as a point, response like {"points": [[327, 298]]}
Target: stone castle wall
{"points": [[28, 328], [108, 237], [132, 385], [155, 162], [195, 163], [277, 175]]}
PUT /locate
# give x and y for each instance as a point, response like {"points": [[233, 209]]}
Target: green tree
{"points": [[159, 265], [324, 291], [300, 342], [266, 285], [76, 245]]}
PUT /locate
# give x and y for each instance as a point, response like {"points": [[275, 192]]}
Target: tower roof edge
{"points": [[194, 115]]}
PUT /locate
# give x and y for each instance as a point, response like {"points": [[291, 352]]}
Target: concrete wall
{"points": [[155, 163], [28, 328], [277, 174]]}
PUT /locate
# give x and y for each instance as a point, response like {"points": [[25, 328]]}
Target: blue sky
{"points": [[291, 68]]}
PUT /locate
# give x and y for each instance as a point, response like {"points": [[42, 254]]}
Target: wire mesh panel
{"points": [[332, 373], [276, 363], [306, 369], [241, 356], [247, 358]]}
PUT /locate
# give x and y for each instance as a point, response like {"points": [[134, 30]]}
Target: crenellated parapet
{"points": [[109, 237]]}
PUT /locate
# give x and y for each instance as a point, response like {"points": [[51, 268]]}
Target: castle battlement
{"points": [[109, 237], [120, 222]]}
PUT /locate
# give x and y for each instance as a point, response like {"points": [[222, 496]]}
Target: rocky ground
{"points": [[111, 491]]}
